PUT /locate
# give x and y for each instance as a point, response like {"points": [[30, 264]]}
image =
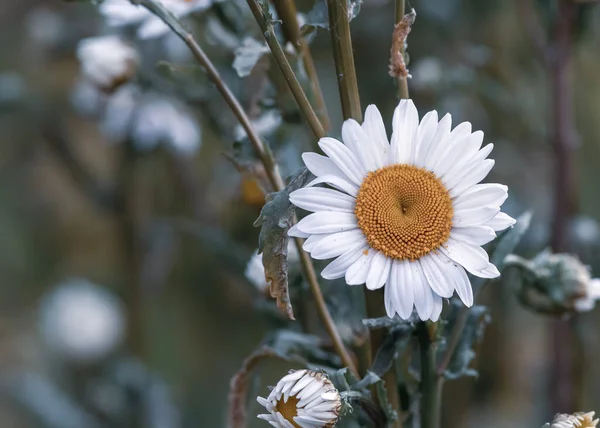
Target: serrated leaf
{"points": [[275, 220], [477, 319], [318, 16], [247, 55], [510, 239]]}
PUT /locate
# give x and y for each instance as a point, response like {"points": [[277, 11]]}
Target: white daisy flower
{"points": [[407, 214], [302, 399], [107, 61], [576, 420], [120, 13]]}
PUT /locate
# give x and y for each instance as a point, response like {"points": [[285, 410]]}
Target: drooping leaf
{"points": [[394, 342], [318, 16], [471, 334], [510, 239], [275, 220], [247, 55]]}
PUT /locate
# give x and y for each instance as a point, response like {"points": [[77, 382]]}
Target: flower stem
{"points": [[431, 383], [344, 58], [402, 81], [272, 172], [286, 11], [269, 32]]}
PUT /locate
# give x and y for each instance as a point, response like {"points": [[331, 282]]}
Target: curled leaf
{"points": [[397, 63], [275, 220]]}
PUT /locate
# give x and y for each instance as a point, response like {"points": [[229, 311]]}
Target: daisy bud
{"points": [[556, 283], [576, 420], [302, 399], [107, 61]]}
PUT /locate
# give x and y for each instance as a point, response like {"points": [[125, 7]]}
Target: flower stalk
{"points": [[290, 77], [431, 382], [266, 159], [287, 13]]}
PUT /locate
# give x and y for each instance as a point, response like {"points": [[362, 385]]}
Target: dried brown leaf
{"points": [[401, 30]]}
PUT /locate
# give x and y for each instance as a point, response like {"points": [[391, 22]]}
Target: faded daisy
{"points": [[107, 61], [576, 420], [302, 399], [407, 214]]}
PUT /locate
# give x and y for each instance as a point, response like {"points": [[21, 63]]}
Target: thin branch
{"points": [[269, 32], [344, 59], [401, 30], [286, 11], [270, 167]]}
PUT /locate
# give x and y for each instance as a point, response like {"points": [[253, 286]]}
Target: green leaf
{"points": [[247, 55], [394, 342], [275, 220], [318, 16], [477, 319], [510, 239]]}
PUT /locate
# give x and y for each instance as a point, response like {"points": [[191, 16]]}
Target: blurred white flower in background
{"points": [[81, 322], [576, 420], [588, 302], [255, 272], [120, 13], [107, 61]]}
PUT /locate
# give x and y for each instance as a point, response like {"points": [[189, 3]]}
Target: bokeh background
{"points": [[123, 299]]}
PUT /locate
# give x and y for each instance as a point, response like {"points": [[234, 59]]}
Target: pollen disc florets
{"points": [[302, 399], [404, 211]]}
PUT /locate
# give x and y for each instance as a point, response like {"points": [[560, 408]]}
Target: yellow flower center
{"points": [[288, 410], [404, 211]]}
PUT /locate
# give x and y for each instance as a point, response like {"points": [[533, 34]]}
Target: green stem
{"points": [[344, 59], [286, 11], [290, 77], [431, 383], [272, 172], [402, 81]]}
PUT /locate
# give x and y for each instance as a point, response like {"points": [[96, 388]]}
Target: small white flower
{"points": [[304, 399], [407, 214], [255, 272], [119, 13], [576, 420], [81, 322], [107, 61], [588, 302]]}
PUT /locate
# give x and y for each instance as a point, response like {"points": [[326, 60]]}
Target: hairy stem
{"points": [[286, 11], [431, 384], [267, 161], [290, 77], [344, 58], [402, 81]]}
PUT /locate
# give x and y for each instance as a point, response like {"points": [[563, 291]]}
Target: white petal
{"points": [[294, 232], [321, 165], [320, 199], [398, 292], [456, 277], [452, 150], [343, 157], [465, 148], [338, 243], [472, 257], [355, 138], [358, 271], [338, 267], [339, 183], [472, 177], [501, 221], [435, 277], [313, 240], [489, 194], [267, 417], [306, 421], [438, 304], [425, 133], [474, 235], [451, 181], [438, 142], [422, 292], [375, 130], [490, 271], [404, 126], [265, 403], [379, 271], [327, 222], [474, 216]]}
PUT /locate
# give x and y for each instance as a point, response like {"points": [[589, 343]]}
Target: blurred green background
{"points": [[175, 248]]}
